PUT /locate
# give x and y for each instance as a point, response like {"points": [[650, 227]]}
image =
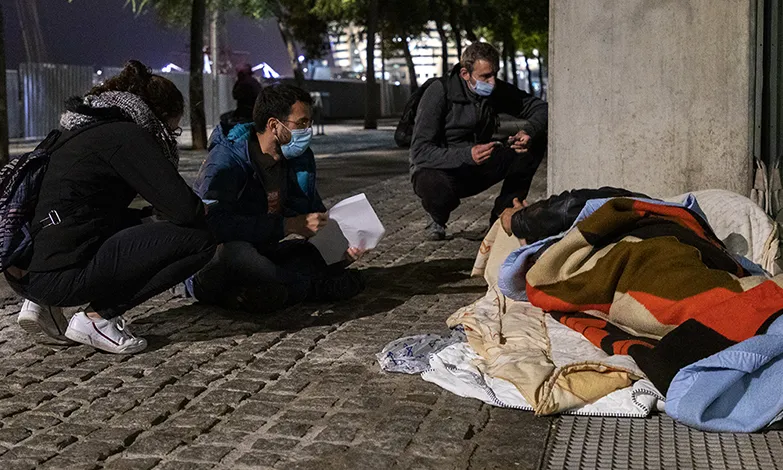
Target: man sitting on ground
{"points": [[259, 184], [452, 152]]}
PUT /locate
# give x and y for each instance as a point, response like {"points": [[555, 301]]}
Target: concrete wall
{"points": [[652, 95]]}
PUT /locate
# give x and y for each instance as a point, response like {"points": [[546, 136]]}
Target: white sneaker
{"points": [[108, 335], [46, 323]]}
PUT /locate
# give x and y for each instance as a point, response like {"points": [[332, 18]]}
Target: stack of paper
{"points": [[352, 223]]}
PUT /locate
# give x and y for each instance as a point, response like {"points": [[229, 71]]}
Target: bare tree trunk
{"points": [[504, 55], [467, 20], [529, 78], [414, 84], [512, 57], [444, 46], [371, 101], [455, 28], [198, 124], [3, 97]]}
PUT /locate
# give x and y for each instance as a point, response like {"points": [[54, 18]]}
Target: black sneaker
{"points": [[348, 283], [435, 231]]}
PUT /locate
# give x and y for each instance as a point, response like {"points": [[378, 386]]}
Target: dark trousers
{"points": [[291, 266], [440, 191], [132, 266]]}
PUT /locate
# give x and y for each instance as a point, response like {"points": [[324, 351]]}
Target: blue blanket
{"points": [[735, 390]]}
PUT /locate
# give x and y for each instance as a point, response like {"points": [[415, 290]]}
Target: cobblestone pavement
{"points": [[299, 389]]}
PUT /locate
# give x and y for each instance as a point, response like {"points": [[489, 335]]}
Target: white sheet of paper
{"points": [[352, 223]]}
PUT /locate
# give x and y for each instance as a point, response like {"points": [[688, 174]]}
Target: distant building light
{"points": [[266, 70], [301, 58], [170, 68], [304, 70], [99, 72], [397, 83]]}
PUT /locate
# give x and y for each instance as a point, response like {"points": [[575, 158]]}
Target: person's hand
{"points": [[353, 253], [505, 216], [305, 225], [481, 152], [520, 142]]}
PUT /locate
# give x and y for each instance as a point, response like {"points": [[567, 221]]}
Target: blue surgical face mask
{"points": [[300, 141], [483, 88]]}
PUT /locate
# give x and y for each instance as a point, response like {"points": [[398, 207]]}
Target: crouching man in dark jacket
{"points": [[452, 152], [259, 184]]}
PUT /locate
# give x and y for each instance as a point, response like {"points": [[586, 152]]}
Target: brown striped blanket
{"points": [[654, 282]]}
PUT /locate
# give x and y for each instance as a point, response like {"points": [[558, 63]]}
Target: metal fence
{"points": [[14, 104], [37, 94], [44, 88]]}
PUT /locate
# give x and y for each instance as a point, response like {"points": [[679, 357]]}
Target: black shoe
{"points": [[435, 231], [348, 283]]}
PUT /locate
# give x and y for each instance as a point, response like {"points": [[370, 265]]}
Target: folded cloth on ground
{"points": [[735, 390], [653, 281], [453, 368]]}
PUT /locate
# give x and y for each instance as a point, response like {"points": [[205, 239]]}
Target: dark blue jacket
{"points": [[238, 206]]}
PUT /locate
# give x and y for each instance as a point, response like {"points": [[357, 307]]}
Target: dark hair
{"points": [[161, 95], [275, 101], [480, 51]]}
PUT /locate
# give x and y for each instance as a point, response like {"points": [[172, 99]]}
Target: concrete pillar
{"points": [[655, 96]]}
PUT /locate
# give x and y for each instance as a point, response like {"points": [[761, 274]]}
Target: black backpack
{"points": [[404, 132]]}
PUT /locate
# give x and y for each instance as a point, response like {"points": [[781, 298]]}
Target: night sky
{"points": [[105, 33]]}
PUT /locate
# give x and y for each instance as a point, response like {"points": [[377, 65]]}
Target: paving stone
{"points": [[290, 429], [258, 408], [196, 453], [257, 460], [158, 444], [131, 464], [50, 441], [69, 428], [34, 421], [274, 445], [224, 397], [37, 455], [12, 435], [123, 436], [59, 407], [19, 465], [91, 450], [64, 463], [247, 386], [201, 421], [337, 434], [176, 465], [7, 410], [237, 423]]}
